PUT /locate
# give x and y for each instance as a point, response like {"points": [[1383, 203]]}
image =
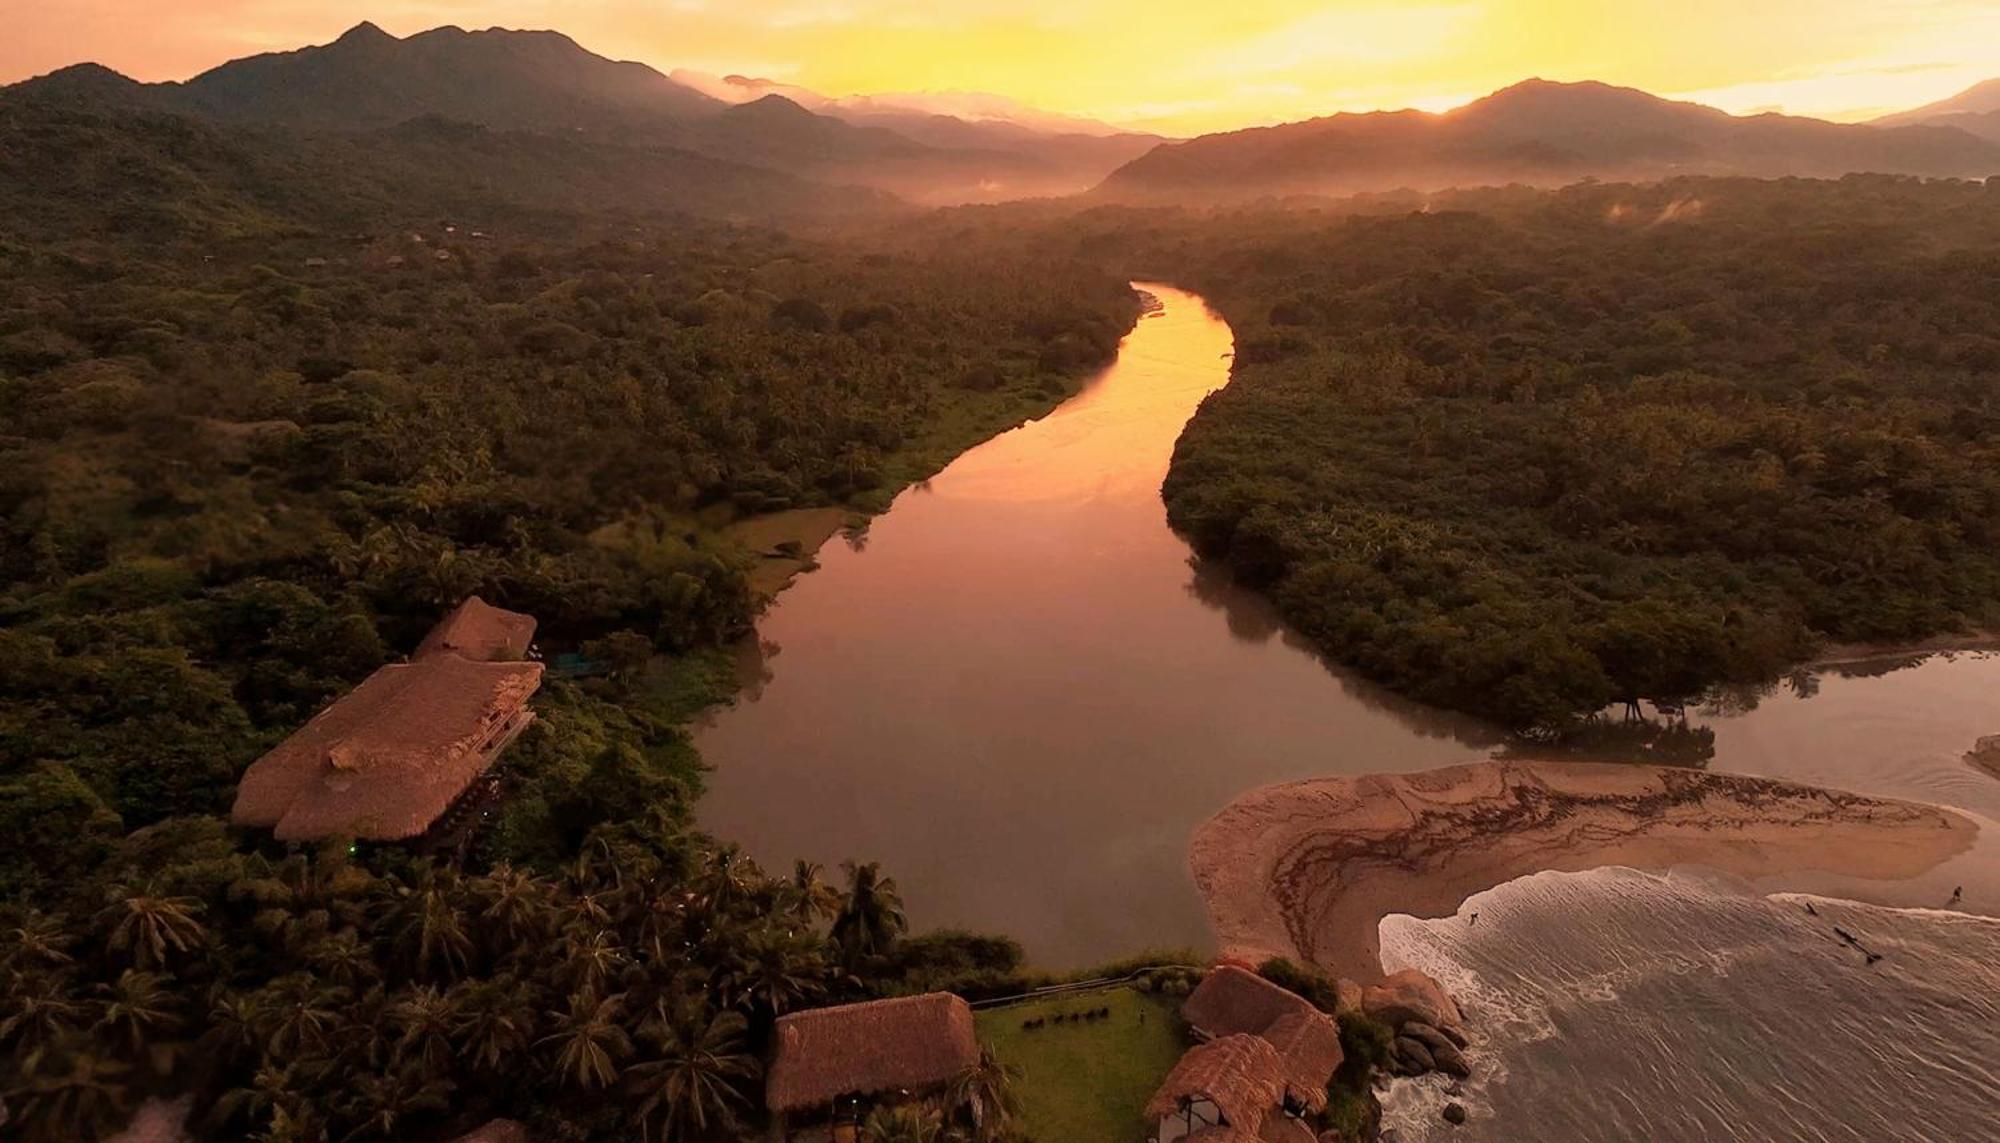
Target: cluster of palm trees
{"points": [[320, 996]]}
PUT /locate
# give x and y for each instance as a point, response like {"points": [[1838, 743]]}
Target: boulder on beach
{"points": [[1451, 1062], [1985, 754], [1413, 1055], [1433, 1039], [1409, 996], [1454, 1113]]}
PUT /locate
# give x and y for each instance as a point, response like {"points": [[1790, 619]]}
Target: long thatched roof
{"points": [[385, 760], [1241, 1075], [909, 1043]]}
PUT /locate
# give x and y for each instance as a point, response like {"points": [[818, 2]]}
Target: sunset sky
{"points": [[1177, 65]]}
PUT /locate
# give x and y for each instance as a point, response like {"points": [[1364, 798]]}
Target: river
{"points": [[1020, 694]]}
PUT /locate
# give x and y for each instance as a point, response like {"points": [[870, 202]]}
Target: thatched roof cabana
{"points": [[1234, 1003], [478, 630], [387, 759], [1241, 1075], [1232, 999], [909, 1043], [1308, 1044]]}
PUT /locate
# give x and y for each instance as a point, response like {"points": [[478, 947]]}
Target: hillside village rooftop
{"points": [[386, 760]]}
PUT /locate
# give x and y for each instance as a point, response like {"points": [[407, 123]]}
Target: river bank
{"points": [[1310, 869]]}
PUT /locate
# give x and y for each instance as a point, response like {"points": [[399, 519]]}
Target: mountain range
{"points": [[531, 117], [1537, 132], [1975, 110], [541, 81]]}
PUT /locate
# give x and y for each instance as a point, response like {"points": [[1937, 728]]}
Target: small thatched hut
{"points": [[479, 631], [1234, 1082], [1262, 1044], [904, 1046]]}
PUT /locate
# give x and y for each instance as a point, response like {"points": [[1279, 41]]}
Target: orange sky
{"points": [[1177, 65]]}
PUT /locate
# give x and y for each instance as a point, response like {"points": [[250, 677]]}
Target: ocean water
{"points": [[1617, 1005]]}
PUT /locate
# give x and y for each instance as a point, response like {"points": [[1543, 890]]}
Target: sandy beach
{"points": [[1309, 869]]}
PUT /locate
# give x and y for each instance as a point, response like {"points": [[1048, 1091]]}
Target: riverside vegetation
{"points": [[1529, 454], [261, 432]]}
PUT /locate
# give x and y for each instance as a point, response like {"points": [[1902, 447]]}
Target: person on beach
{"points": [[1956, 895]]}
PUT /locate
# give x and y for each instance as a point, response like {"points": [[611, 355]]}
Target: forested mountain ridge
{"points": [[1539, 133], [92, 164], [544, 83]]}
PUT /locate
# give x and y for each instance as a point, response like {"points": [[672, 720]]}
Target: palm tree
{"points": [[812, 899], [274, 1099], [496, 1021], [430, 930], [872, 917], [589, 1041], [985, 1092], [295, 1014], [514, 908], [151, 927], [774, 972], [383, 1104], [694, 1082], [906, 1123], [38, 942], [41, 1018], [83, 1098], [728, 877], [590, 959], [139, 1013], [425, 1021], [305, 897], [344, 959]]}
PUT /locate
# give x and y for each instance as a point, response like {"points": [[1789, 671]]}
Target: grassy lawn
{"points": [[1087, 1081]]}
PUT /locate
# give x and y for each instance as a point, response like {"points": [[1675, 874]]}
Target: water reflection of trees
{"points": [[1665, 739], [1252, 619]]}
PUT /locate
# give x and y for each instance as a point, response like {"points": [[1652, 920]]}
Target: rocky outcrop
{"points": [[1411, 1056], [1985, 754], [1410, 997]]}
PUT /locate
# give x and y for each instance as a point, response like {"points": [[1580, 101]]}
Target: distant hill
{"points": [[496, 78], [1019, 150], [1975, 110], [84, 162], [544, 82], [1537, 132]]}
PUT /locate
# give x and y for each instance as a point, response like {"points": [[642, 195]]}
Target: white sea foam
{"points": [[1620, 1005]]}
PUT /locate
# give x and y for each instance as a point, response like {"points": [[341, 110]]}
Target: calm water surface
{"points": [[1019, 693]]}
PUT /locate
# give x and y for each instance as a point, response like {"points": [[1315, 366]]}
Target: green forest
{"points": [[259, 438], [1529, 454], [270, 407]]}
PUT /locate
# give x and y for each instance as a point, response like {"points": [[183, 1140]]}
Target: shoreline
{"points": [[1854, 654], [1309, 869]]}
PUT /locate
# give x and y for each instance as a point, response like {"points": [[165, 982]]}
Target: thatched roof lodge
{"points": [[905, 1045], [1264, 1063], [387, 759]]}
